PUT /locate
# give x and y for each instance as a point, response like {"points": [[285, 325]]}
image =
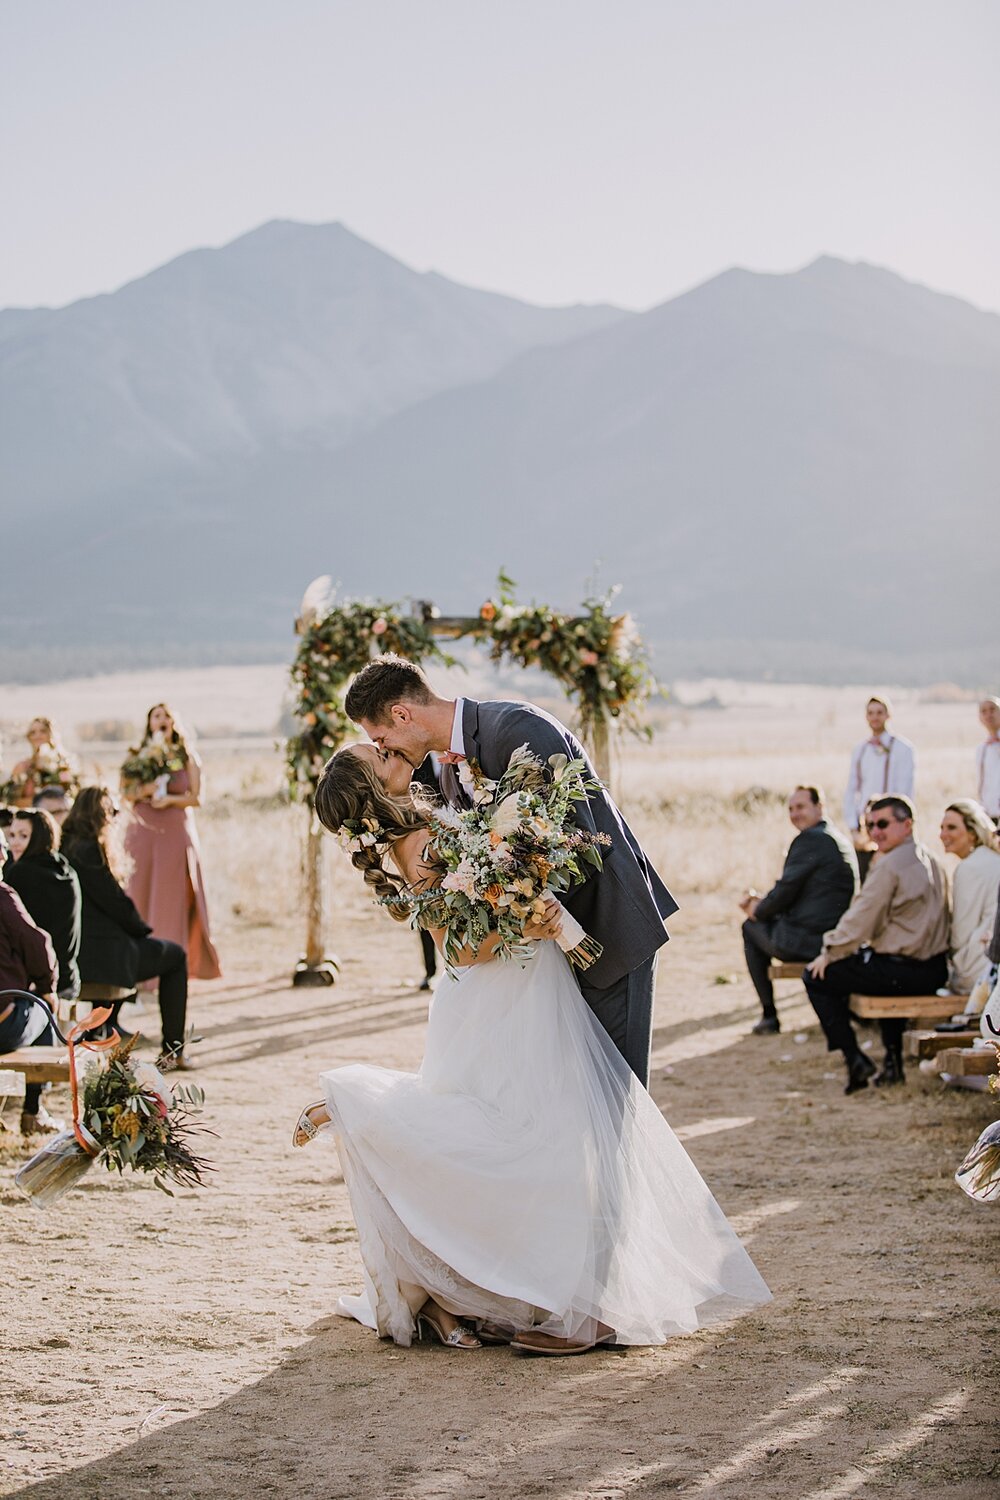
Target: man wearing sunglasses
{"points": [[892, 940]]}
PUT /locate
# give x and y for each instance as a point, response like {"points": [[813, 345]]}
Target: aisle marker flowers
{"points": [[125, 1115]]}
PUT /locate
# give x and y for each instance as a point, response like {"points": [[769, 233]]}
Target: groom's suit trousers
{"points": [[625, 1010]]}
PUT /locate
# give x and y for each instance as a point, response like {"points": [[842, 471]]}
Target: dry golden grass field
{"points": [[187, 1348]]}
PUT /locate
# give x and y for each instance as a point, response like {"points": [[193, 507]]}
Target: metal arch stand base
{"points": [[316, 976]]}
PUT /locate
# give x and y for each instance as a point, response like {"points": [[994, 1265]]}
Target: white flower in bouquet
{"points": [[151, 1081], [507, 817], [46, 758]]}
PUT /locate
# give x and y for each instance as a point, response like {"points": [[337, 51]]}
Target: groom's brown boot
{"points": [[533, 1342]]}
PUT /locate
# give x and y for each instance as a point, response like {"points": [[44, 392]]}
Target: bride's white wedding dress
{"points": [[525, 1176]]}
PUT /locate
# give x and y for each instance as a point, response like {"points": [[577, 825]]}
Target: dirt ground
{"points": [[188, 1348]]}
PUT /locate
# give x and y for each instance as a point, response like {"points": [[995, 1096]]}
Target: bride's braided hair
{"points": [[349, 791]]}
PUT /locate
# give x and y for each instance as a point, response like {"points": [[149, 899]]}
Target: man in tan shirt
{"points": [[891, 940]]}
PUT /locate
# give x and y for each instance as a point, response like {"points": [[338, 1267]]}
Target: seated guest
{"points": [[54, 801], [48, 886], [116, 945], [816, 885], [892, 940], [969, 834], [27, 962]]}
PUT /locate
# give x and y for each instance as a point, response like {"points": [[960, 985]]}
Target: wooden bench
{"points": [[918, 1045], [967, 1062], [780, 970], [38, 1064], [903, 1007]]}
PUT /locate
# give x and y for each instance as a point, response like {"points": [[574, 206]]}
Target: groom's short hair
{"points": [[387, 680]]}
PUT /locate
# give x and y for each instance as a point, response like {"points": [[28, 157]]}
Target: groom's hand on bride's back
{"points": [[550, 926]]}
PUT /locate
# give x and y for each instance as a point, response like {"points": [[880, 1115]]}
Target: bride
{"points": [[523, 1182]]}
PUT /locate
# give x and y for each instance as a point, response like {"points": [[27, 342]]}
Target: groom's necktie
{"points": [[451, 788]]}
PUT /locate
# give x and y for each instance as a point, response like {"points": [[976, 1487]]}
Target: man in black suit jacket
{"points": [[816, 887], [624, 906]]}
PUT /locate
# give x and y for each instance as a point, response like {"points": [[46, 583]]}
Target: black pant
{"points": [[868, 973], [758, 949], [625, 1010], [168, 961], [26, 1026]]}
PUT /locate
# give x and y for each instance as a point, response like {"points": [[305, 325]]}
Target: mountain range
{"points": [[789, 474]]}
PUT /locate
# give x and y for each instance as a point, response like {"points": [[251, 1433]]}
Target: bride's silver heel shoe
{"points": [[459, 1337], [304, 1124]]}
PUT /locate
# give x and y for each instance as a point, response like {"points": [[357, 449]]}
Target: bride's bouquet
{"points": [[125, 1115], [514, 846], [153, 762]]}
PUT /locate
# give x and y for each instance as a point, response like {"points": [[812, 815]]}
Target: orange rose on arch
{"points": [[488, 611]]}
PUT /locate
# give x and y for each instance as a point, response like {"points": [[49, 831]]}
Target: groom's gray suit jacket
{"points": [[625, 905]]}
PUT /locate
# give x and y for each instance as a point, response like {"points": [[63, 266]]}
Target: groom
{"points": [[624, 906]]}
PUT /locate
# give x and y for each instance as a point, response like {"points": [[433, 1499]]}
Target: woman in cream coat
{"points": [[969, 834]]}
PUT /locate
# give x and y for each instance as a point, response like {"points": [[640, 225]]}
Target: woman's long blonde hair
{"points": [[349, 791], [977, 821]]}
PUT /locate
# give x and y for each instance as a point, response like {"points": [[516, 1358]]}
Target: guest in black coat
{"points": [[28, 965], [117, 947], [816, 886], [49, 889]]}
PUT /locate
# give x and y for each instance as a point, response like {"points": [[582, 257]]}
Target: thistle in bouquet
{"points": [[515, 846]]}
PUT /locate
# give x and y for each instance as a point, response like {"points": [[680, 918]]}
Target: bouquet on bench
{"points": [[125, 1115], [514, 846]]}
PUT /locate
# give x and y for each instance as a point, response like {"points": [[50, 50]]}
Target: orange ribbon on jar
{"points": [[96, 1018]]}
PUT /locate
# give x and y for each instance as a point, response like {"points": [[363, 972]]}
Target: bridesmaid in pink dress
{"points": [[162, 841]]}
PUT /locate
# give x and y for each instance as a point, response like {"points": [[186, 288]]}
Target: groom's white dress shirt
{"points": [[878, 766], [457, 746]]}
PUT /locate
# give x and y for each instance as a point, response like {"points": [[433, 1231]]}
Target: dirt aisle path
{"points": [[187, 1349]]}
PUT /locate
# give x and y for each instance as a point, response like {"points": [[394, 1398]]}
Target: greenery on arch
{"points": [[336, 643], [597, 656]]}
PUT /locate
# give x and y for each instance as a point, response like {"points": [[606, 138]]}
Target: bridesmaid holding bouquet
{"points": [[161, 779], [48, 765]]}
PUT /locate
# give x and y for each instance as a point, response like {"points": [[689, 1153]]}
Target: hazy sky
{"points": [[559, 150]]}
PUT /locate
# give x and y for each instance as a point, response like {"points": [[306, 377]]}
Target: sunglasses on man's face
{"points": [[880, 822]]}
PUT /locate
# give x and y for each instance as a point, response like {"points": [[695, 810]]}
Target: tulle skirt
{"points": [[524, 1176]]}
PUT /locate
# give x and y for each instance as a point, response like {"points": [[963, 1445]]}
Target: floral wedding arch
{"points": [[596, 656]]}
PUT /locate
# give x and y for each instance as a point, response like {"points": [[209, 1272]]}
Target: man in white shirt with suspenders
{"points": [[988, 758], [880, 765]]}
